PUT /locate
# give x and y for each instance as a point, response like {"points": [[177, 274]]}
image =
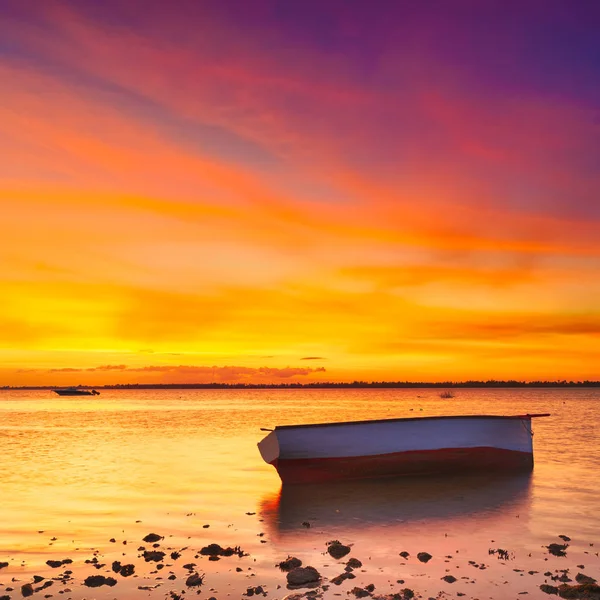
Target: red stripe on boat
{"points": [[445, 460]]}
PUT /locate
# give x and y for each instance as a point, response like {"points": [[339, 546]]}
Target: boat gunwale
{"points": [[402, 419]]}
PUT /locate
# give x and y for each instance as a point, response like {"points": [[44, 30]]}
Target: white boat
{"points": [[392, 447], [73, 391]]}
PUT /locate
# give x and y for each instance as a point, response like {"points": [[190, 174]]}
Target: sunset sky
{"points": [[278, 191]]}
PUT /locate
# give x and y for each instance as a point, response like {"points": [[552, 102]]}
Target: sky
{"points": [[275, 191]]}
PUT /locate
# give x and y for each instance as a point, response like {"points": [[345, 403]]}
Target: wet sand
{"points": [[145, 561]]}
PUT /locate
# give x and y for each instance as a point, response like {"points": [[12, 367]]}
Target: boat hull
{"points": [[395, 447], [424, 462]]}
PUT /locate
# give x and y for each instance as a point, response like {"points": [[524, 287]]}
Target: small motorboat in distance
{"points": [[73, 391], [394, 447]]}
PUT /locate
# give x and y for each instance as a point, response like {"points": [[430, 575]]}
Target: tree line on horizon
{"points": [[491, 383]]}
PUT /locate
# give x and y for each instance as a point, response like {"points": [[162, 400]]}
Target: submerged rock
{"points": [[194, 579], [98, 580], [217, 550], [589, 591], [303, 575], [558, 549], [153, 555]]}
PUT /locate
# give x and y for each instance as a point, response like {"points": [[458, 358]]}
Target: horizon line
{"points": [[354, 384]]}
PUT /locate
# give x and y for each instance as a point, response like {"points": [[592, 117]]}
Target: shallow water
{"points": [[85, 470]]}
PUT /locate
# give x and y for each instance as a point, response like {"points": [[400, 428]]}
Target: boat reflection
{"points": [[376, 502]]}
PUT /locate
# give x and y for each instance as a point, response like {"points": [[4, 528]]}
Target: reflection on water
{"points": [[369, 502]]}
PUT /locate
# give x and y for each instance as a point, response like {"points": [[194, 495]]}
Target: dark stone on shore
{"points": [[549, 589], [4, 597], [3, 565], [404, 554], [189, 566], [360, 592], [337, 550], [589, 591], [213, 557], [175, 555], [38, 578], [565, 538], [98, 580], [558, 549], [424, 557], [127, 570], [194, 580], [153, 555], [339, 579], [291, 562], [255, 591], [407, 594], [27, 590], [449, 578], [581, 578], [354, 563], [153, 537], [172, 577], [303, 575], [54, 563], [217, 550], [116, 566]]}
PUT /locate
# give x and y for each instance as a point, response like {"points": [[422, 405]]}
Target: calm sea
{"points": [[127, 463]]}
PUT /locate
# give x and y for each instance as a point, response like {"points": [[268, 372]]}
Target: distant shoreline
{"points": [[324, 385]]}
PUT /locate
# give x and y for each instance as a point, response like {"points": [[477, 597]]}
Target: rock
{"points": [[549, 589], [305, 524], [581, 578], [337, 550], [565, 538], [558, 549], [424, 557], [153, 555], [370, 587], [449, 578], [589, 591], [194, 580], [404, 554], [354, 563], [291, 562], [38, 578], [116, 566], [303, 575], [175, 555], [3, 565], [127, 570], [27, 590], [153, 537], [217, 550], [341, 578], [54, 563], [98, 580], [359, 592]]}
